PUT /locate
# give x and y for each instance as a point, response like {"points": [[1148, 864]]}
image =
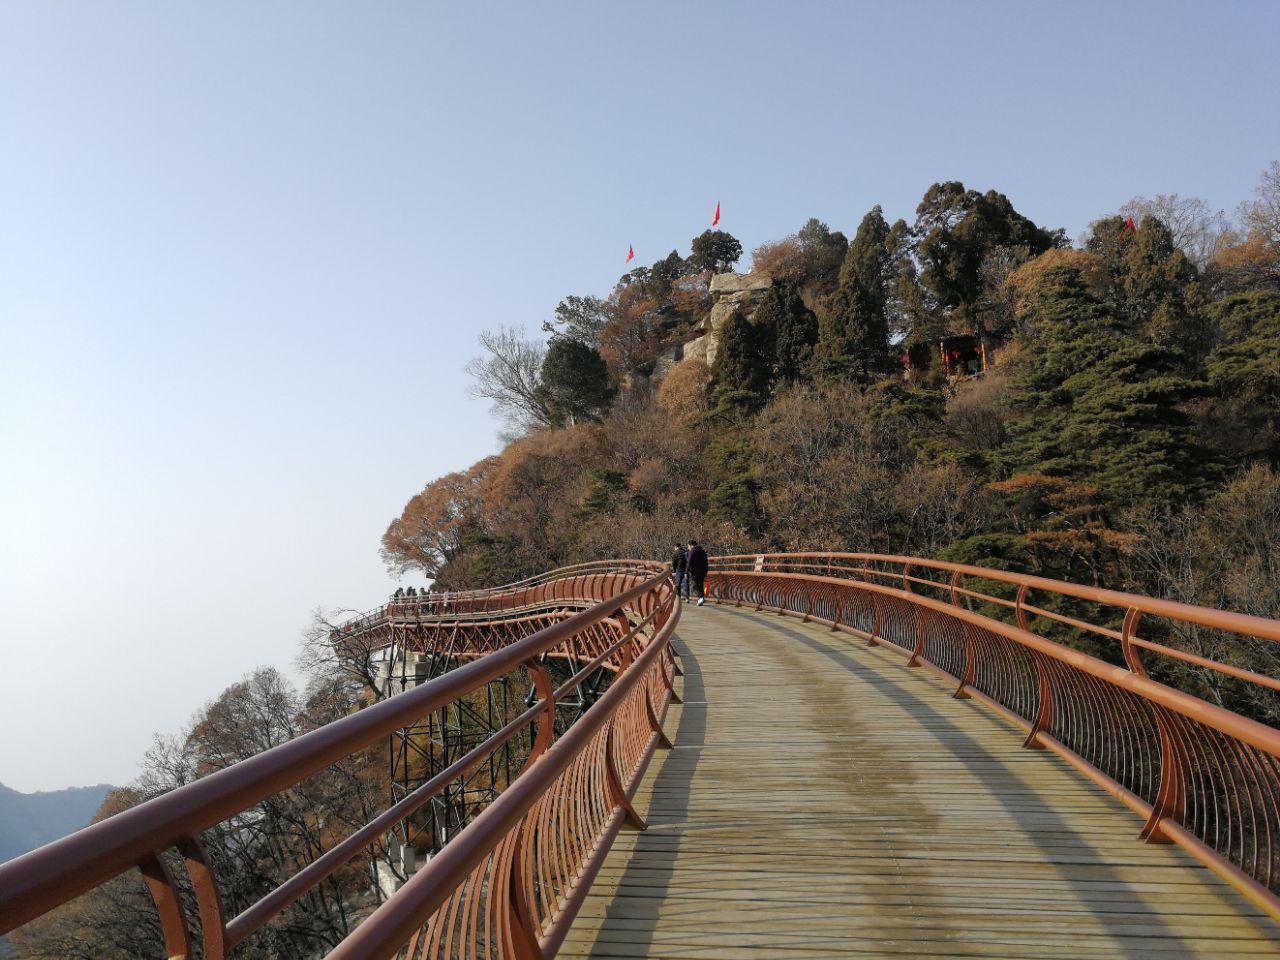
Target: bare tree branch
{"points": [[511, 376]]}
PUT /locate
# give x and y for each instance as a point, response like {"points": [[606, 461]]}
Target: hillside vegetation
{"points": [[1123, 433]]}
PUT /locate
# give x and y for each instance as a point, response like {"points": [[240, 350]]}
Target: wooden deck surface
{"points": [[823, 800]]}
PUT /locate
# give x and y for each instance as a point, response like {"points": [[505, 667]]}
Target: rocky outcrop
{"points": [[727, 284], [730, 292]]}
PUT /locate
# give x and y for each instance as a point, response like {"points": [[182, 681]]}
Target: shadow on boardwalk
{"points": [[789, 821]]}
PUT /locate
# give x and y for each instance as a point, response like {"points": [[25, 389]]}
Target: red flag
{"points": [[1129, 223], [716, 218], [631, 254]]}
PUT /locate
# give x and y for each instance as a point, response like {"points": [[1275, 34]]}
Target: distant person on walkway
{"points": [[398, 594], [698, 564], [680, 567]]}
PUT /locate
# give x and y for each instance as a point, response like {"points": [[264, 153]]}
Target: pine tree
{"points": [[853, 331], [715, 250], [1158, 290], [957, 230], [795, 330], [575, 382], [1244, 377], [743, 369], [1099, 405]]}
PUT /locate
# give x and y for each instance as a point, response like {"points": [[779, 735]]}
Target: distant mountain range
{"points": [[30, 820]]}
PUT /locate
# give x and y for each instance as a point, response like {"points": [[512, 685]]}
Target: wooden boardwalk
{"points": [[823, 800]]}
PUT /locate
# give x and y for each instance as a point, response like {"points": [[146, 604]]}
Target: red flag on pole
{"points": [[631, 254], [1129, 223], [716, 218]]}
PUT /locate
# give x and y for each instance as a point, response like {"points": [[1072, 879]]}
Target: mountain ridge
{"points": [[30, 820]]}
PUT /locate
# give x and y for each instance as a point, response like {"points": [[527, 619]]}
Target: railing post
{"points": [[654, 722], [164, 893], [547, 726], [213, 927], [1044, 706], [617, 793], [918, 652], [523, 935], [669, 682], [1171, 797], [1132, 658], [970, 664], [1020, 609]]}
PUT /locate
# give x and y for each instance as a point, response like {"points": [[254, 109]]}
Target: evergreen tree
{"points": [[743, 369], [1098, 405], [824, 252], [1158, 294], [795, 330], [715, 250], [736, 496], [957, 229], [853, 331], [1109, 238], [575, 382], [579, 318], [1244, 376]]}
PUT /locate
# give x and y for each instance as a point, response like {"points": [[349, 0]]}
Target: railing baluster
{"points": [[164, 893]]}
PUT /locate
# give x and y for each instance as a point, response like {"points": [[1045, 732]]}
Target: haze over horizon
{"points": [[246, 251]]}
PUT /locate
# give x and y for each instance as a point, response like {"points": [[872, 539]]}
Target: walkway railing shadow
{"points": [[1044, 826], [1203, 777], [657, 850]]}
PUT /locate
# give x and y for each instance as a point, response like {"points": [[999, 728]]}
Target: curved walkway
{"points": [[823, 800]]}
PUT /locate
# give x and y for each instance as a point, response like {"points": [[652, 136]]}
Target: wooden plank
{"points": [[823, 800]]}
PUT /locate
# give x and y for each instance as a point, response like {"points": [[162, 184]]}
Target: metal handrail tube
{"points": [[390, 926], [599, 660], [1233, 724], [1261, 679], [42, 879], [333, 859], [602, 567], [1242, 623]]}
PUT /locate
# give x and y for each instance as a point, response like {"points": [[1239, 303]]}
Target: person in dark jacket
{"points": [[680, 567], [698, 564]]}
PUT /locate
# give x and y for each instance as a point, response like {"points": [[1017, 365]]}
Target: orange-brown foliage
{"points": [[1023, 281], [784, 260], [435, 523], [683, 394]]}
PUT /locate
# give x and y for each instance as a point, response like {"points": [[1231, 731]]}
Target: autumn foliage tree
{"points": [[436, 526]]}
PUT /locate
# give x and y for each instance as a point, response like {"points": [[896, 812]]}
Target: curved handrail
{"points": [[445, 601], [1247, 625], [628, 715], [1203, 776]]}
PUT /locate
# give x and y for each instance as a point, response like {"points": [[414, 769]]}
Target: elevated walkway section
{"points": [[823, 800]]}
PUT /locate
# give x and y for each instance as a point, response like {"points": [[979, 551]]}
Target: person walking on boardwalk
{"points": [[680, 567], [697, 565]]}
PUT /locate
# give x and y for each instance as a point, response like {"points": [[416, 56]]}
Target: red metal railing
{"points": [[1202, 776], [511, 882]]}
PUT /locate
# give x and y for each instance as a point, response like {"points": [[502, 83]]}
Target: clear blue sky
{"points": [[245, 249]]}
